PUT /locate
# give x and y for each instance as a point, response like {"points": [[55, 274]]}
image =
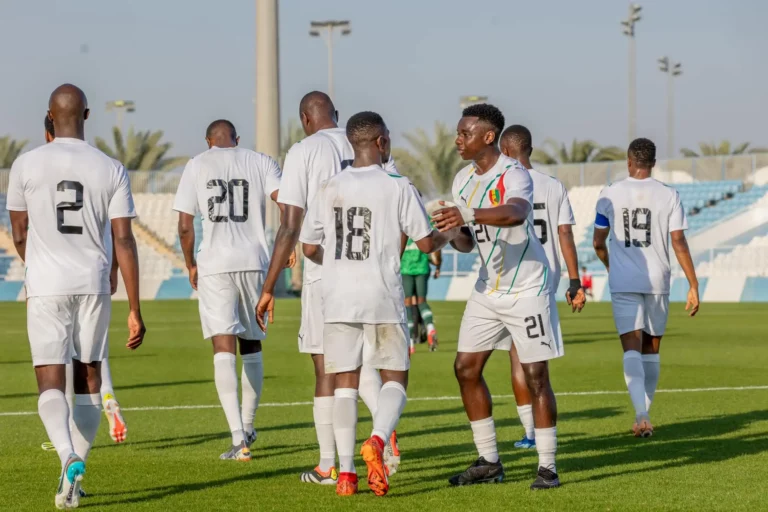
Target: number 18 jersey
{"points": [[229, 186], [640, 214], [70, 191]]}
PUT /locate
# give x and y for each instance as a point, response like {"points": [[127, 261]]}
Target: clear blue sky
{"points": [[557, 66]]}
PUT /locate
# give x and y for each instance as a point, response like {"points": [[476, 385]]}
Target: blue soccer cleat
{"points": [[526, 443]]}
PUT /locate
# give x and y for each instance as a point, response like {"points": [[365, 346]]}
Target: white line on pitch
{"points": [[418, 399]]}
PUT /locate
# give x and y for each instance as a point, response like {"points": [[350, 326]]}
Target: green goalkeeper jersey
{"points": [[414, 262]]}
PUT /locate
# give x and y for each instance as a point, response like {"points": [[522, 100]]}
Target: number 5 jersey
{"points": [[513, 261], [640, 214], [229, 187], [70, 191], [359, 216]]}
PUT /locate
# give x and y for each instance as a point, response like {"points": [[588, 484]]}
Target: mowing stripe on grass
{"points": [[420, 399]]}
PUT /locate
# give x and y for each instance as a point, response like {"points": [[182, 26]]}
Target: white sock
{"points": [[370, 387], [392, 400], [345, 427], [652, 368], [484, 434], [86, 418], [225, 376], [546, 446], [69, 374], [54, 411], [323, 413], [431, 327], [634, 376], [525, 412], [106, 380], [251, 380]]}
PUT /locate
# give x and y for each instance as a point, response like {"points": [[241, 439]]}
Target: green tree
{"points": [[292, 134], [581, 151], [10, 149], [722, 149], [431, 163], [141, 151]]}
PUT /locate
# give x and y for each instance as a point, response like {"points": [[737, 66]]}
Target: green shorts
{"points": [[415, 286]]}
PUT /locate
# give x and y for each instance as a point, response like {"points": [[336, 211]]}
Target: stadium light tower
{"points": [[120, 107], [629, 31], [326, 30], [671, 69], [466, 101]]}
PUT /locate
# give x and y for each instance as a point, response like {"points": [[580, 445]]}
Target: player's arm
{"points": [[113, 271], [436, 258], [20, 228], [187, 241], [575, 294], [599, 242], [512, 213], [683, 254], [403, 243], [313, 252], [127, 255], [464, 241], [292, 257], [16, 204]]}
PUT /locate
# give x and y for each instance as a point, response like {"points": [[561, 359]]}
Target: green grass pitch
{"points": [[710, 451]]}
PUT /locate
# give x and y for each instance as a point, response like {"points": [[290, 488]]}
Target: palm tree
{"points": [[430, 163], [10, 150], [141, 151], [292, 134], [722, 149], [581, 151]]}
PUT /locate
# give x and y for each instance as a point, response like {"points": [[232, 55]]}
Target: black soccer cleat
{"points": [[480, 472], [546, 479]]}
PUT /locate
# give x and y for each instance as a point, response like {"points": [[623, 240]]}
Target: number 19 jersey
{"points": [[360, 215], [513, 260], [70, 191], [640, 214], [229, 186]]}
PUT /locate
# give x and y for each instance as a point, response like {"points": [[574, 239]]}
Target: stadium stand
{"points": [[750, 259], [155, 212]]}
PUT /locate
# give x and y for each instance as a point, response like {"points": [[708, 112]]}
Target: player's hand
{"points": [[193, 277], [113, 281], [578, 302], [446, 219], [437, 273], [136, 330], [266, 305], [291, 259], [692, 304]]}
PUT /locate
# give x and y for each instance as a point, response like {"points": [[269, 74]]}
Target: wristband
{"points": [[573, 287]]}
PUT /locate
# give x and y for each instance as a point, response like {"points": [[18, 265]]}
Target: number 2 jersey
{"points": [[640, 214], [229, 186], [70, 191], [513, 259], [360, 214]]}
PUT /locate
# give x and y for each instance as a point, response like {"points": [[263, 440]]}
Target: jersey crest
{"points": [[497, 194]]}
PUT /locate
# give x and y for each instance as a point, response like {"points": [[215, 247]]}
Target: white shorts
{"points": [[494, 323], [66, 327], [228, 302], [347, 347], [311, 330], [640, 312]]}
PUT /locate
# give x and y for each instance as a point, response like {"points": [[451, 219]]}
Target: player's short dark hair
{"points": [[487, 113], [520, 136], [49, 125], [218, 125], [643, 152], [364, 126]]}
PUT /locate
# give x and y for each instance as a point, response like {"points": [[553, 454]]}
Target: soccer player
{"points": [[229, 185], [323, 154], [641, 214], [362, 215], [586, 282], [493, 205], [62, 198], [118, 430], [551, 207]]}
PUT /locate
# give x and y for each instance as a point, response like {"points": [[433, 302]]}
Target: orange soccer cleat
{"points": [[347, 484], [373, 455]]}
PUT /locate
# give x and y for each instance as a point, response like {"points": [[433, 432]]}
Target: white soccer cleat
{"points": [[68, 493], [118, 430]]}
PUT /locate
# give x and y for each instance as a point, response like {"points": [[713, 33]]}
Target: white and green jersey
{"points": [[513, 259]]}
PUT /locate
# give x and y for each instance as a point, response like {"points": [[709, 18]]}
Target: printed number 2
{"points": [[637, 225], [531, 324], [227, 186], [69, 206], [364, 232]]}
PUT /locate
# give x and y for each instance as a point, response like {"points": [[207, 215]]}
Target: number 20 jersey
{"points": [[229, 187], [513, 259], [70, 191], [360, 214], [640, 214]]}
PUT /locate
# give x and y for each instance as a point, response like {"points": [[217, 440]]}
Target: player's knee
{"points": [[464, 370], [537, 378]]}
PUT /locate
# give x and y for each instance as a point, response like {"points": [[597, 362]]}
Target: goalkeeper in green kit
{"points": [[415, 269]]}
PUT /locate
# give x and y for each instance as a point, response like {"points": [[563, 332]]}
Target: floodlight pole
{"points": [[326, 30], [672, 70], [629, 31], [120, 107]]}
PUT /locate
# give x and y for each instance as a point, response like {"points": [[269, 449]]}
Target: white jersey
{"points": [[513, 260], [641, 214], [551, 209], [229, 186], [70, 191], [361, 214]]}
